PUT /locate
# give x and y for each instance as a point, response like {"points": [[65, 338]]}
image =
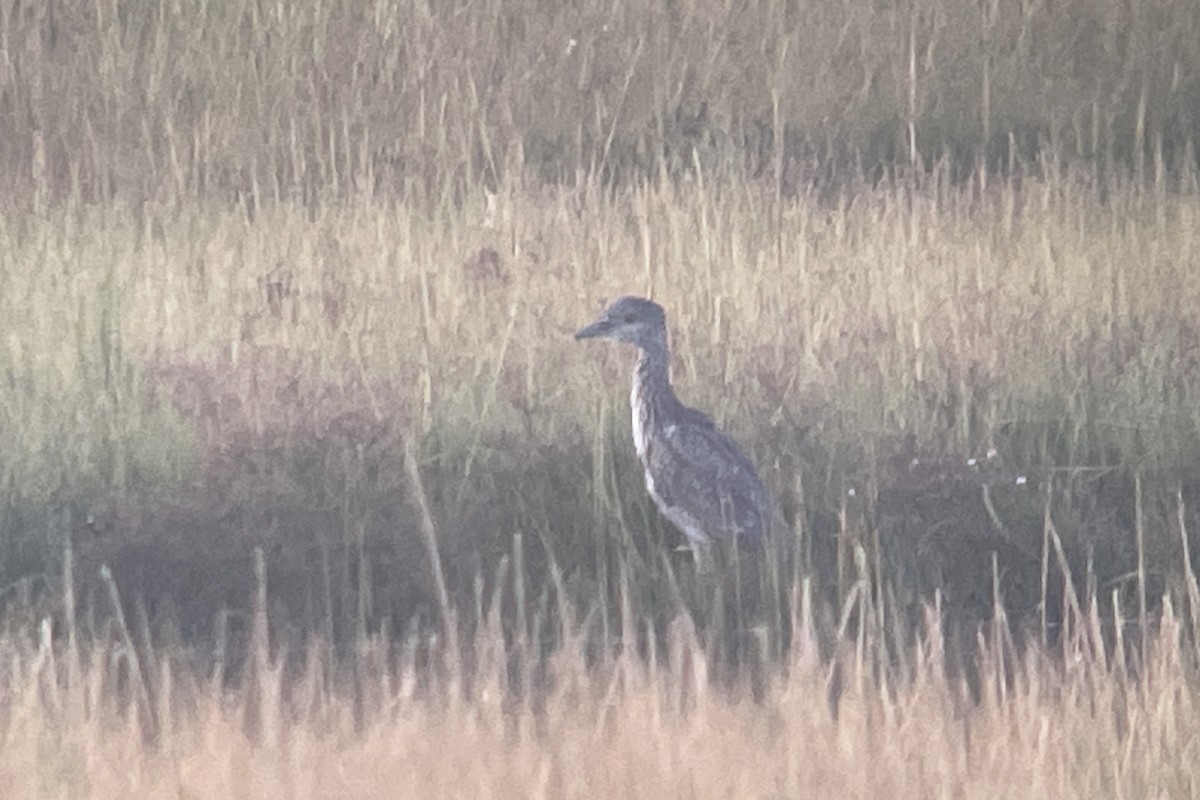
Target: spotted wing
{"points": [[700, 471]]}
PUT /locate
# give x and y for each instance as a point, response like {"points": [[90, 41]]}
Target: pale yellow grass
{"points": [[1081, 729], [1034, 316], [1057, 316], [869, 313], [856, 315]]}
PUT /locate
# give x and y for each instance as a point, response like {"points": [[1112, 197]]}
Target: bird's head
{"points": [[634, 320]]}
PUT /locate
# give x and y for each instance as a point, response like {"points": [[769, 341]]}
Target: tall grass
{"points": [[306, 102], [187, 384], [295, 273], [1077, 723], [286, 296]]}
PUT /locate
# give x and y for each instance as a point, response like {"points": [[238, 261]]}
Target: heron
{"points": [[695, 474]]}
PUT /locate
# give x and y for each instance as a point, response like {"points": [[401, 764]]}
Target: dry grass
{"points": [[1069, 724], [1038, 319], [333, 98], [164, 348], [302, 278], [200, 383], [293, 274]]}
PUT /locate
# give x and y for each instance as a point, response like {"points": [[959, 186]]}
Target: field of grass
{"points": [[307, 490], [1076, 723], [193, 383], [198, 383]]}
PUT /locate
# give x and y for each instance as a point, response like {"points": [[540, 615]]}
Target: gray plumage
{"points": [[697, 476]]}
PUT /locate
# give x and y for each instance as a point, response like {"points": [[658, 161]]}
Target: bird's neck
{"points": [[652, 381]]}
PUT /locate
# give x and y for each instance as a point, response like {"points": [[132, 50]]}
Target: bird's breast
{"points": [[641, 421]]}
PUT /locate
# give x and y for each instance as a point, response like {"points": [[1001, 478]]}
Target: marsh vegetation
{"points": [[286, 311]]}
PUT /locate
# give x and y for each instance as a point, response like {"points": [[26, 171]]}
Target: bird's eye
{"points": [[630, 319]]}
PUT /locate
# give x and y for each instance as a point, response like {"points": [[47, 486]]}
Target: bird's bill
{"points": [[600, 327]]}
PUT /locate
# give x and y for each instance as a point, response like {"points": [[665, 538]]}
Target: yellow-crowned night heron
{"points": [[697, 476]]}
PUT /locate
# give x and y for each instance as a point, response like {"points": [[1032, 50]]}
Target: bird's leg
{"points": [[703, 555]]}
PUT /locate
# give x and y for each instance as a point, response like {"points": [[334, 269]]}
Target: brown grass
{"points": [[294, 273], [298, 280], [148, 103], [1036, 319], [1074, 723]]}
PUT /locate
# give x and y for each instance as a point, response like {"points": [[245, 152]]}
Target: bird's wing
{"points": [[699, 470]]}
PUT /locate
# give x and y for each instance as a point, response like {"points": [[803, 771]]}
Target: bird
{"points": [[696, 475]]}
